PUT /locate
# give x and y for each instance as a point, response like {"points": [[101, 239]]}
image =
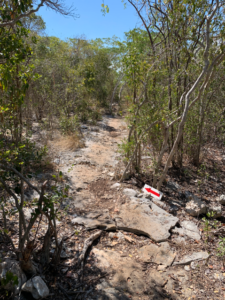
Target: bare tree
{"points": [[15, 13], [170, 38]]}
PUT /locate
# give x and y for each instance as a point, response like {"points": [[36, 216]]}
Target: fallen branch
{"points": [[87, 244], [219, 232], [64, 291]]}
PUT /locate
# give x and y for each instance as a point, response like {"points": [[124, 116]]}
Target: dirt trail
{"points": [[116, 253], [96, 161], [147, 249], [124, 262], [99, 153]]}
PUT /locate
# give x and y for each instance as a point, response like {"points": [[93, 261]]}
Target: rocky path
{"points": [[142, 252], [147, 249], [96, 161]]}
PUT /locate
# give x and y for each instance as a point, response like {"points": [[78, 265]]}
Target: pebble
{"points": [[64, 270], [187, 268], [161, 268], [194, 265]]}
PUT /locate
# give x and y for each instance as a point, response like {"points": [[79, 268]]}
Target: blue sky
{"points": [[91, 23]]}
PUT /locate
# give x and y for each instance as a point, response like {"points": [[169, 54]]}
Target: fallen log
{"points": [[87, 243]]}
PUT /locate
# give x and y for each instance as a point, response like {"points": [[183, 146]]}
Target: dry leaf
{"points": [[69, 274], [210, 266]]}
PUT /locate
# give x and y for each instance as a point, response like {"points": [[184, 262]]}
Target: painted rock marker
{"points": [[147, 189]]}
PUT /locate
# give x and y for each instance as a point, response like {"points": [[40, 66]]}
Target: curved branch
{"points": [[32, 11]]}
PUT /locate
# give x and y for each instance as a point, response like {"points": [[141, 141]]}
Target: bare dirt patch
{"points": [[71, 142]]}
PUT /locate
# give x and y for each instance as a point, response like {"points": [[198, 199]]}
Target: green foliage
{"points": [[209, 223], [69, 125], [74, 80], [9, 278], [221, 248], [105, 9], [207, 228]]}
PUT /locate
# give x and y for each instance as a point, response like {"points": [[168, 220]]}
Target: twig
{"points": [[96, 278], [64, 291], [9, 168], [38, 226], [75, 292], [88, 292], [87, 243]]}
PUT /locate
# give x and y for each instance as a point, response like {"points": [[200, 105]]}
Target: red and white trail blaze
{"points": [[153, 192]]}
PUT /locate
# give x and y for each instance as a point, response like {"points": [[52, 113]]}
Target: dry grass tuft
{"points": [[114, 134], [123, 127], [69, 142]]}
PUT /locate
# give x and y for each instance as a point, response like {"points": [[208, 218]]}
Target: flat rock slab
{"points": [[188, 228], [130, 282], [221, 199], [159, 255], [128, 274], [130, 192], [187, 259], [96, 219], [173, 185], [112, 294], [127, 281], [215, 210], [195, 206], [147, 219], [116, 186], [157, 278]]}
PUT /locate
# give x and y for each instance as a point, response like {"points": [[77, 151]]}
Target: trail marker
{"points": [[147, 189]]}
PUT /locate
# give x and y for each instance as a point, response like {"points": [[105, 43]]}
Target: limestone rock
{"points": [[216, 210], [147, 219], [37, 287], [140, 195], [173, 185], [195, 206], [27, 213], [158, 202], [179, 240], [130, 192], [159, 255], [187, 259], [13, 267], [127, 278], [221, 199], [218, 276], [111, 294], [189, 229], [105, 258], [64, 270], [189, 196], [116, 186], [127, 273], [111, 174], [96, 219], [182, 280], [161, 267], [156, 278], [116, 235], [31, 195]]}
